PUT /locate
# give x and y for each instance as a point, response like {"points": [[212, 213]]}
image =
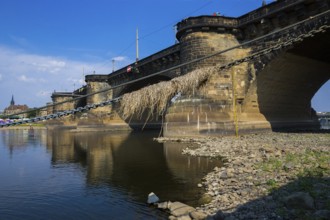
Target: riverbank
{"points": [[25, 127], [265, 176]]}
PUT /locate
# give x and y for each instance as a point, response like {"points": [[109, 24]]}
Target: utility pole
{"points": [[137, 44]]}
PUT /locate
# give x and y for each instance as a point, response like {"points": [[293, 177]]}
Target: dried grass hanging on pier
{"points": [[154, 98]]}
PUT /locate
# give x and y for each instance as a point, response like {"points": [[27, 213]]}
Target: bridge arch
{"points": [[284, 89]]}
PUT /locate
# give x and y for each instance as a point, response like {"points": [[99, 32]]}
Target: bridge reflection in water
{"points": [[132, 162], [58, 174]]}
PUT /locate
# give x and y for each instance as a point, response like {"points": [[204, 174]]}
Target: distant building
{"points": [[15, 109]]}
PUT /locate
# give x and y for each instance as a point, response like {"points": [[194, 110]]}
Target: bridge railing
{"points": [[159, 55], [267, 10], [96, 77], [293, 31], [233, 23]]}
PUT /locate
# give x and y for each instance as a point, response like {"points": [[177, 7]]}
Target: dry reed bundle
{"points": [[155, 98]]}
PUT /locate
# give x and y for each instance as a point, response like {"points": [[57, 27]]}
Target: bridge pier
{"points": [[58, 97], [102, 117], [97, 83]]}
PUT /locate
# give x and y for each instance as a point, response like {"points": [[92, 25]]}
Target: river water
{"points": [[98, 175]]}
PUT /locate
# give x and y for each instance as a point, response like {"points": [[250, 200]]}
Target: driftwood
{"points": [[155, 98]]}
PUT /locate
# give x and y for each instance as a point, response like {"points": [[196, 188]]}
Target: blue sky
{"points": [[49, 45]]}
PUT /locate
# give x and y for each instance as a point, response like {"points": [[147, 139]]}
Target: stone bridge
{"points": [[273, 91]]}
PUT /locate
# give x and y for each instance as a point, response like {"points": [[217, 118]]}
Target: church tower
{"points": [[12, 102]]}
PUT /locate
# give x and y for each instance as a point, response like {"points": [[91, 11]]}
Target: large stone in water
{"points": [[205, 199], [152, 198], [180, 209], [163, 205], [197, 215]]}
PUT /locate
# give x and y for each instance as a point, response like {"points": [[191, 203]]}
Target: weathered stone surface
{"points": [[198, 215], [171, 217], [206, 198], [184, 217], [163, 205], [179, 209], [299, 200]]}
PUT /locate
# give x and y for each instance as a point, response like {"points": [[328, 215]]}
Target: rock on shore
{"points": [[266, 176]]}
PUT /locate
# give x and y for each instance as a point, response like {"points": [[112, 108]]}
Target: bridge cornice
{"points": [[235, 25], [96, 78], [267, 10], [206, 23]]}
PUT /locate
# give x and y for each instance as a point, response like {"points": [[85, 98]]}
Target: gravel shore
{"points": [[265, 176]]}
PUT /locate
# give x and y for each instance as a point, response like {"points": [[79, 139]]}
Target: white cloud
{"points": [[76, 82], [25, 79], [32, 78], [46, 94], [120, 58], [48, 64]]}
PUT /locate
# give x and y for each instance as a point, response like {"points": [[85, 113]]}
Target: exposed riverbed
{"points": [[265, 176]]}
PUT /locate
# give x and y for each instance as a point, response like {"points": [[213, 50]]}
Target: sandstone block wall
{"points": [[100, 97], [64, 106]]}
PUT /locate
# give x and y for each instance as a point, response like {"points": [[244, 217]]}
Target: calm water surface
{"points": [[99, 175]]}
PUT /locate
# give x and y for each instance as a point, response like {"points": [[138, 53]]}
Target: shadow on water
{"points": [[58, 174], [306, 198], [133, 162]]}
